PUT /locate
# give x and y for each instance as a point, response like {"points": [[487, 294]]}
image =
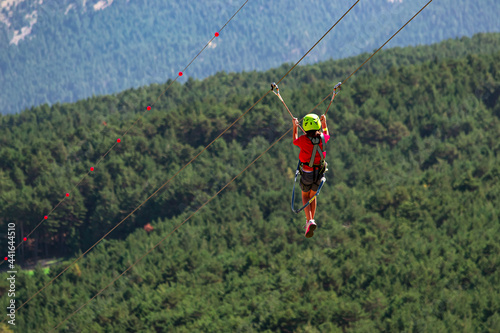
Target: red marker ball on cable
{"points": [[180, 73], [67, 194], [6, 258], [45, 217], [24, 239], [216, 34], [119, 140], [148, 108], [91, 168]]}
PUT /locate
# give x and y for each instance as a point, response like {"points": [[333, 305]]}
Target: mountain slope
{"points": [[45, 149], [408, 236], [73, 49]]}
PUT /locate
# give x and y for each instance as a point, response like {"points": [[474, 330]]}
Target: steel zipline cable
{"points": [[371, 56], [216, 194], [206, 45], [174, 230], [125, 133], [162, 186]]}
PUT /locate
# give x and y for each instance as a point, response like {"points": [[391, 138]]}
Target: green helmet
{"points": [[311, 122]]}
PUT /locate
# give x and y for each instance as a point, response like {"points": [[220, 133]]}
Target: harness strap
{"points": [[315, 141], [296, 211]]}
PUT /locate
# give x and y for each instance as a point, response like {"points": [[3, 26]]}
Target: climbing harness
{"points": [[315, 141], [318, 169], [297, 172]]}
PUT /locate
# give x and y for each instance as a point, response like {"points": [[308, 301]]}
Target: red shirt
{"points": [[306, 150]]}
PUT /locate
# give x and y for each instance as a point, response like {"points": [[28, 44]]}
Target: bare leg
{"points": [[313, 204], [311, 209], [307, 210]]}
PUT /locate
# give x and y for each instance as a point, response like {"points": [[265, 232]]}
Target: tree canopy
{"points": [[408, 222]]}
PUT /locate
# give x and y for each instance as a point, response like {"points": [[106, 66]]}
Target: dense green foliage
{"points": [[74, 52], [408, 224]]}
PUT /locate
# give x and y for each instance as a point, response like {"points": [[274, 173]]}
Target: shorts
{"points": [[307, 182]]}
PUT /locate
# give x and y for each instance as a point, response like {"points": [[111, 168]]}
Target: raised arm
{"points": [[295, 128], [323, 125]]}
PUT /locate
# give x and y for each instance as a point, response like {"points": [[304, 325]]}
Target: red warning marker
{"points": [[6, 258], [24, 239], [91, 168], [148, 108], [67, 194], [216, 34], [119, 140], [45, 217], [180, 73]]}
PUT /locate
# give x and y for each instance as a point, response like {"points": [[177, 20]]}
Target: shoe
{"points": [[310, 227]]}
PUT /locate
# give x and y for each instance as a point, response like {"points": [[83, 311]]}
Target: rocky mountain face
{"points": [[19, 16], [64, 50]]}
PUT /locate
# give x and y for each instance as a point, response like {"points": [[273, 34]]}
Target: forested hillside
{"points": [[408, 223], [65, 50]]}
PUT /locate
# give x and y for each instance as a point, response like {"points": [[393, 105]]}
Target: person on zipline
{"points": [[312, 168]]}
